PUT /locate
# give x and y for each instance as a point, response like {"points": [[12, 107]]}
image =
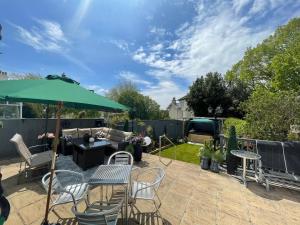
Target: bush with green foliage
{"points": [[206, 150], [218, 156], [126, 126], [240, 125], [270, 114], [232, 144], [274, 63]]}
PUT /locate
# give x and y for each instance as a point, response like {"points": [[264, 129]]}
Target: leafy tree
{"points": [[142, 107], [208, 91], [275, 63], [270, 114]]}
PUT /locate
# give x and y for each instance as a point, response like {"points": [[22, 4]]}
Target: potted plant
{"points": [[137, 142], [217, 159], [205, 155], [231, 160]]}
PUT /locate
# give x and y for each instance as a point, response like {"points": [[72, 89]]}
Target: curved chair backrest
{"points": [[92, 216], [121, 157], [56, 185], [21, 147], [160, 174]]}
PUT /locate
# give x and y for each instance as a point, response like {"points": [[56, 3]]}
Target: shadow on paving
{"points": [[141, 218], [10, 185], [275, 193]]}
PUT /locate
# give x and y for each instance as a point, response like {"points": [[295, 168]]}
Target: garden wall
{"points": [[31, 128]]}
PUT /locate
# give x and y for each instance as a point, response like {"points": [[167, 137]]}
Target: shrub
{"points": [[218, 156], [240, 126], [231, 160], [206, 150]]}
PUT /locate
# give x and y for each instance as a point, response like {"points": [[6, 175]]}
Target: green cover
{"points": [[2, 220], [203, 120], [53, 91]]}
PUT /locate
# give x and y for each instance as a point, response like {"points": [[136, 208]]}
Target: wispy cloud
{"points": [[121, 44], [45, 36], [133, 77], [214, 40], [48, 36], [97, 89], [164, 90]]}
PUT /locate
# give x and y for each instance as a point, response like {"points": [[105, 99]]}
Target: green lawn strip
{"points": [[184, 152]]}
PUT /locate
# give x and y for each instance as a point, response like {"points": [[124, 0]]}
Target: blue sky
{"points": [[161, 45]]}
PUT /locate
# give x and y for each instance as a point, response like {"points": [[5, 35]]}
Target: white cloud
{"points": [[97, 89], [48, 36], [239, 4], [130, 76], [121, 44], [164, 90], [215, 40], [158, 31]]}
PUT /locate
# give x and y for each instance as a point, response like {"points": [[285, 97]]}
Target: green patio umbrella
{"points": [[56, 92]]}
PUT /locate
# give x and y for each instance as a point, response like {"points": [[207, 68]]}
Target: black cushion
{"points": [[271, 153], [292, 156]]}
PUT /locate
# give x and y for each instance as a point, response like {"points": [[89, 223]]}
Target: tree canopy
{"points": [[212, 90], [142, 107], [275, 63], [271, 71]]}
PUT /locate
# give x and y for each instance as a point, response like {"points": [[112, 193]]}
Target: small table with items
{"points": [[113, 175], [87, 155], [245, 155]]}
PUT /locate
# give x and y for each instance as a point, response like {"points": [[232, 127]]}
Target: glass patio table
{"points": [[245, 155], [113, 175]]}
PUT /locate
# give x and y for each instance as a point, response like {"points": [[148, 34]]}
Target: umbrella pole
{"points": [[46, 126], [59, 107]]}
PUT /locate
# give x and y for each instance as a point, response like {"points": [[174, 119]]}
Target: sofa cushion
{"points": [[70, 133], [117, 135], [127, 135], [115, 138], [83, 131]]}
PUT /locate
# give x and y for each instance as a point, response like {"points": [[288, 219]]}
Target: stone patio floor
{"points": [[189, 196]]}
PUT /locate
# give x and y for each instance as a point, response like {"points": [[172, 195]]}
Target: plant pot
{"points": [[205, 163], [214, 166], [232, 163], [137, 154], [4, 208]]}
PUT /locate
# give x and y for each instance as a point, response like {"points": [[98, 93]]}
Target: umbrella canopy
{"points": [[53, 91], [57, 92]]}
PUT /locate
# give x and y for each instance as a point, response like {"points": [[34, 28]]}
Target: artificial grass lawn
{"points": [[184, 152]]}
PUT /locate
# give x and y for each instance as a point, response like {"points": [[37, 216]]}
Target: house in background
{"points": [[3, 75], [178, 109]]}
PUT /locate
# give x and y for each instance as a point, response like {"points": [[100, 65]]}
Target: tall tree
{"points": [[208, 91], [142, 107], [275, 63]]}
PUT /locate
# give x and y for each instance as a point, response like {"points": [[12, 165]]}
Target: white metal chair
{"points": [[147, 190], [67, 186], [98, 213], [121, 157], [32, 161]]}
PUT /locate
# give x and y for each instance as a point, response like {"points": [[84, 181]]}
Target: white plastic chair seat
{"points": [[147, 193], [40, 158], [78, 190]]}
